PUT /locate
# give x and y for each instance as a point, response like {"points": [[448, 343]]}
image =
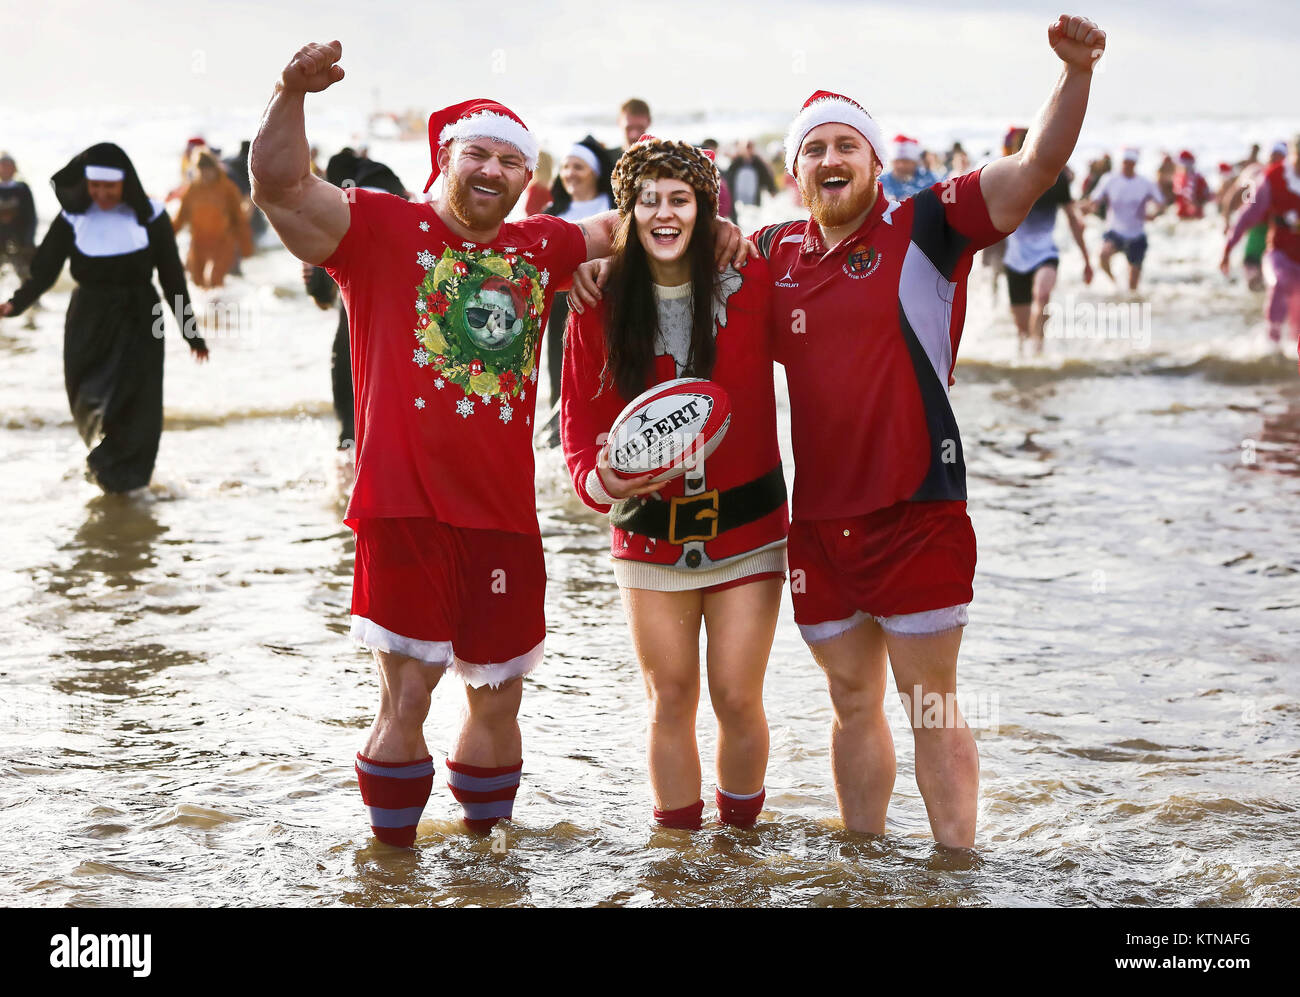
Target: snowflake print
{"points": [[533, 376], [420, 305], [424, 226], [486, 398], [421, 358], [426, 259], [464, 408], [543, 243], [469, 245], [528, 420], [528, 254], [506, 413], [523, 396], [510, 249], [419, 403], [439, 383], [544, 279]]}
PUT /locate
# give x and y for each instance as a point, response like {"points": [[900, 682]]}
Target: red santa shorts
{"points": [[469, 600], [909, 566]]}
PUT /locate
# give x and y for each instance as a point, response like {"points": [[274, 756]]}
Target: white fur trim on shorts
{"points": [[497, 672], [369, 634], [930, 621]]}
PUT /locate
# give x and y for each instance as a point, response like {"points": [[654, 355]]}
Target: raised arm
{"points": [[309, 215], [1012, 184]]}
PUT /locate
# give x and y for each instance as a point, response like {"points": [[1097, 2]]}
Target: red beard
{"points": [[837, 209], [477, 216]]}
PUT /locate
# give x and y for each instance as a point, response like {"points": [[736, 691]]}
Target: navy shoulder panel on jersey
{"points": [[942, 244], [766, 238]]}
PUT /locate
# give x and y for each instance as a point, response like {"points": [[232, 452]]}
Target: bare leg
{"points": [[947, 760], [1021, 314], [1044, 283], [666, 635], [490, 735], [740, 623], [1134, 275], [862, 748], [1103, 260], [405, 690]]}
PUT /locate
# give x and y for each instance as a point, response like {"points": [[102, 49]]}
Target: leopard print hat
{"points": [[650, 158]]}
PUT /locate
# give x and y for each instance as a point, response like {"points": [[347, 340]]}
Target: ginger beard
{"points": [[837, 193], [481, 200]]}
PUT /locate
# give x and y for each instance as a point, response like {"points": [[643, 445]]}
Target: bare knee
{"points": [[673, 701], [736, 706], [856, 702]]}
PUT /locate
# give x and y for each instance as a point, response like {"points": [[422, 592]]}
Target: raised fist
{"points": [[313, 68], [1076, 41]]}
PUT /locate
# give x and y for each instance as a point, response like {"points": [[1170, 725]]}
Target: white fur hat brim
{"points": [[838, 110], [489, 124]]}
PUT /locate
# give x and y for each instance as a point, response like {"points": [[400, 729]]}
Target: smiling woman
{"points": [[715, 549]]}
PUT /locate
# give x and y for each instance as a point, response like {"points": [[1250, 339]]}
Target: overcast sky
{"points": [[1189, 57]]}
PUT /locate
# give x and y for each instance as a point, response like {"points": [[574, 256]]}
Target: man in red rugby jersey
{"points": [[881, 550], [447, 304]]}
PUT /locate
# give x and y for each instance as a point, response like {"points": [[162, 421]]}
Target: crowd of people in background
{"points": [[1250, 196]]}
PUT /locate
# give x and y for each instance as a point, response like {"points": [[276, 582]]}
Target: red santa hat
{"points": [[823, 108], [1186, 156], [480, 117], [906, 148]]}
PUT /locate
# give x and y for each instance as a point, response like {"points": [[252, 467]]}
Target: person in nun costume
{"points": [[116, 237]]}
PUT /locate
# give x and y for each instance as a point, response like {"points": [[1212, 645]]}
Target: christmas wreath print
{"points": [[479, 321]]}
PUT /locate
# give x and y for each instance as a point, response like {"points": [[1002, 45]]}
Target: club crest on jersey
{"points": [[863, 261]]}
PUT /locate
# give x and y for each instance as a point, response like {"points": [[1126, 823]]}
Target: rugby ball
{"points": [[669, 429]]}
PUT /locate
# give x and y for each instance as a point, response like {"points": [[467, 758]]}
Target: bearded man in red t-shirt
{"points": [[447, 305]]}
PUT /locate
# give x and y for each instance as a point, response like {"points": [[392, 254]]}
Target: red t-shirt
{"points": [[446, 337], [868, 334]]}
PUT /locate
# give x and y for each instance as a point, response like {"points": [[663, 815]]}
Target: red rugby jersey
{"points": [[868, 335], [446, 336]]}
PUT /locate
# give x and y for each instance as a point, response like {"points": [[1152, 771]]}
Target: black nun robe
{"points": [[112, 343]]}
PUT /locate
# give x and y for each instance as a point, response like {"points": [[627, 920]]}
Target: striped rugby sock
{"points": [[486, 794], [688, 818], [395, 794], [740, 811]]}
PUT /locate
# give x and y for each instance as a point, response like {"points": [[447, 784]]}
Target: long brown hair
{"points": [[632, 315]]}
